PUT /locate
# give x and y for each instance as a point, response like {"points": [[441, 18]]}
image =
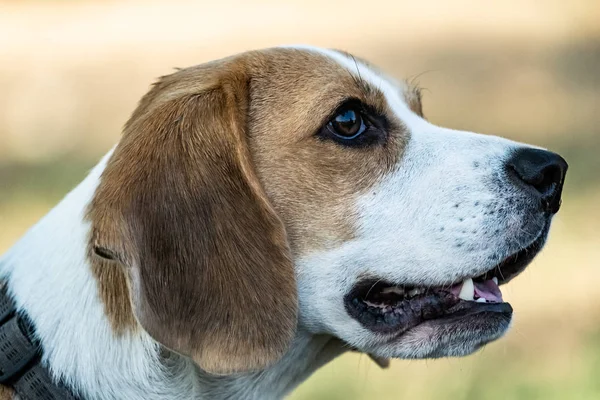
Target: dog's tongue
{"points": [[471, 291], [488, 290]]}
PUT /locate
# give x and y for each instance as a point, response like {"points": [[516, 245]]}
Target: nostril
{"points": [[541, 170], [546, 181]]}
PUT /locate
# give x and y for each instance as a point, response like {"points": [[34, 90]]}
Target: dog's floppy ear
{"points": [[180, 206]]}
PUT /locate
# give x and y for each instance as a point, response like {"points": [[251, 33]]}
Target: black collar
{"points": [[20, 357]]}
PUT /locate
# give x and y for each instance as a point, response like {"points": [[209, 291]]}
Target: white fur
{"points": [[398, 237]]}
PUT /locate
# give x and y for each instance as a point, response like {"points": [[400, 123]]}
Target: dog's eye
{"points": [[354, 124], [347, 124]]}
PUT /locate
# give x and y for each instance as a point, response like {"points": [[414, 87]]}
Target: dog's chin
{"points": [[432, 322], [459, 334]]}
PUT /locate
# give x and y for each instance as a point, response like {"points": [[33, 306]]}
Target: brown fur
{"points": [[6, 393], [112, 285], [207, 256], [191, 200], [413, 96], [313, 183]]}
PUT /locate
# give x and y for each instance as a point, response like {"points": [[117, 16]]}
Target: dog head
{"points": [[301, 186]]}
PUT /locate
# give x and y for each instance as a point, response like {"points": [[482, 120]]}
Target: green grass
{"points": [[502, 372], [48, 181]]}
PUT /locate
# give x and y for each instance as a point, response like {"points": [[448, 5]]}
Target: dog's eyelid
{"points": [[367, 110]]}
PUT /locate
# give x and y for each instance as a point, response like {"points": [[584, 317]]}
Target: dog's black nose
{"points": [[542, 172]]}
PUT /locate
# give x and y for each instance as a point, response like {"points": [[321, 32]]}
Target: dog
{"points": [[263, 214]]}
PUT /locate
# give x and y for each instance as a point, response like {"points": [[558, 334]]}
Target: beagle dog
{"points": [[263, 214]]}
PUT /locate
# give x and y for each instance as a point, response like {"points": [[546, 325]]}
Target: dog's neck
{"points": [[51, 280]]}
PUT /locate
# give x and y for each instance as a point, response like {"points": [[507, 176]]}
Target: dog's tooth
{"points": [[413, 292], [393, 289], [481, 300], [495, 280], [468, 290]]}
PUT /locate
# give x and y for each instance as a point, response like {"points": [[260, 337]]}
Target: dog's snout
{"points": [[542, 171]]}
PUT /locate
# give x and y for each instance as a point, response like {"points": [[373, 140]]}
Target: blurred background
{"points": [[71, 72]]}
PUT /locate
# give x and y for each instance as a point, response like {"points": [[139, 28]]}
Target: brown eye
{"points": [[354, 124], [347, 124]]}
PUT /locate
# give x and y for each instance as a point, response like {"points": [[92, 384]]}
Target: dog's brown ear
{"points": [[180, 206]]}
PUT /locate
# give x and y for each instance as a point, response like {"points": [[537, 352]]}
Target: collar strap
{"points": [[20, 357]]}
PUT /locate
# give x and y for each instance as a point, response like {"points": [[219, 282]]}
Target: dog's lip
{"points": [[476, 323], [516, 263], [465, 308], [461, 312], [512, 265], [441, 303], [440, 306]]}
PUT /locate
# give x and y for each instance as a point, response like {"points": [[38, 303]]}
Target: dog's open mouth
{"points": [[387, 308]]}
